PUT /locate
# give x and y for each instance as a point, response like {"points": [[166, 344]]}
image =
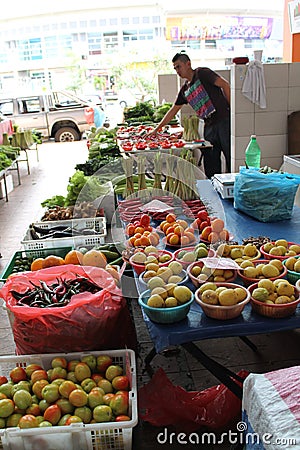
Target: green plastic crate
{"points": [[31, 255]]}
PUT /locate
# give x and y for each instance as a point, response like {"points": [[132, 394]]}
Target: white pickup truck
{"points": [[59, 115]]}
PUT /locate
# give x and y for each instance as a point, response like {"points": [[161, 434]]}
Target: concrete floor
{"points": [[49, 177]]}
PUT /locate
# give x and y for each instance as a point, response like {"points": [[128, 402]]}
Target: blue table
{"points": [[197, 326]]}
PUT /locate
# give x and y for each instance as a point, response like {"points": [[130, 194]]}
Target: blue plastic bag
{"points": [[268, 197], [99, 117]]}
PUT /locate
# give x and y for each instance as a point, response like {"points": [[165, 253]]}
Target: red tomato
{"points": [[202, 215]]}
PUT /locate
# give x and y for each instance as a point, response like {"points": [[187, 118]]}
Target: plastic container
{"points": [[139, 268], [269, 256], [253, 153], [182, 274], [185, 264], [274, 311], [95, 436], [96, 223], [196, 282], [32, 254], [291, 275], [164, 315], [223, 312], [248, 281]]}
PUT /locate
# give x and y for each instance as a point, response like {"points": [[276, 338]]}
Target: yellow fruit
{"points": [[269, 271], [285, 288], [228, 274], [150, 249], [161, 291], [149, 274], [208, 285], [282, 249], [246, 263], [267, 284], [176, 267], [220, 289], [236, 252], [189, 257], [295, 248], [240, 294], [152, 266], [219, 279], [196, 270], [170, 289], [138, 257], [250, 250], [174, 279], [150, 259], [275, 251], [223, 250], [171, 302], [94, 258], [268, 246], [297, 266], [250, 272], [282, 299], [182, 293], [155, 282], [210, 297], [228, 297], [260, 294], [277, 263], [281, 242], [74, 257], [155, 301], [202, 252], [259, 268]]}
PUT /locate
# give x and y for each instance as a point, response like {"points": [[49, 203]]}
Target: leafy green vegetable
{"points": [[56, 200]]}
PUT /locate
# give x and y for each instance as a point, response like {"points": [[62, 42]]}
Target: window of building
{"points": [[63, 26], [93, 23], [155, 19], [210, 43], [146, 19], [94, 43], [113, 21], [135, 20], [110, 40], [83, 24], [125, 20], [135, 35], [73, 25], [102, 22], [30, 49]]}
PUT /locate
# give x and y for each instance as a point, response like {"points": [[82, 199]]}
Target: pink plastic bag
{"points": [[88, 322], [161, 403]]}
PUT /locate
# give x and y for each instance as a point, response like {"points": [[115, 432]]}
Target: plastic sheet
{"points": [[162, 404], [87, 322]]}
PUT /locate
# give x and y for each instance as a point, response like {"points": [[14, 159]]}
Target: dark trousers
{"points": [[218, 134]]}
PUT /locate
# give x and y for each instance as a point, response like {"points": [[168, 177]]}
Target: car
{"points": [[95, 99]]}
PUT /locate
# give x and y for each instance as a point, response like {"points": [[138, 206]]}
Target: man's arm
{"points": [[167, 117], [225, 86]]}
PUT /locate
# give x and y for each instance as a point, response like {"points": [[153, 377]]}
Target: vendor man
{"points": [[209, 95]]}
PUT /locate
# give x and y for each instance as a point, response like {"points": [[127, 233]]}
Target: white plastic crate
{"points": [[95, 436], [96, 223]]}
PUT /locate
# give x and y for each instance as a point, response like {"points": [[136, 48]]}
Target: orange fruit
{"points": [[184, 240], [170, 217], [153, 238], [161, 226], [182, 223], [224, 235], [173, 239], [37, 264], [139, 230], [94, 258], [144, 241], [217, 225], [189, 235], [74, 257], [178, 230], [213, 237], [52, 260], [170, 230]]}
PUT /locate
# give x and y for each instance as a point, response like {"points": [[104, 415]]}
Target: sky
{"points": [[25, 8]]}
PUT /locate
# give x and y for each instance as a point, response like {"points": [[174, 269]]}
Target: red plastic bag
{"points": [[161, 403], [89, 115], [88, 322]]}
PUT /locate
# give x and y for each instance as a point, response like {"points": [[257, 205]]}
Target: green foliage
{"points": [[56, 200]]}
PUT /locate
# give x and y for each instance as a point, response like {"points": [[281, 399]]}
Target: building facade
{"points": [[45, 49]]}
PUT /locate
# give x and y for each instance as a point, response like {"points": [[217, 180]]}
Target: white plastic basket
{"points": [[95, 436], [96, 223]]}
